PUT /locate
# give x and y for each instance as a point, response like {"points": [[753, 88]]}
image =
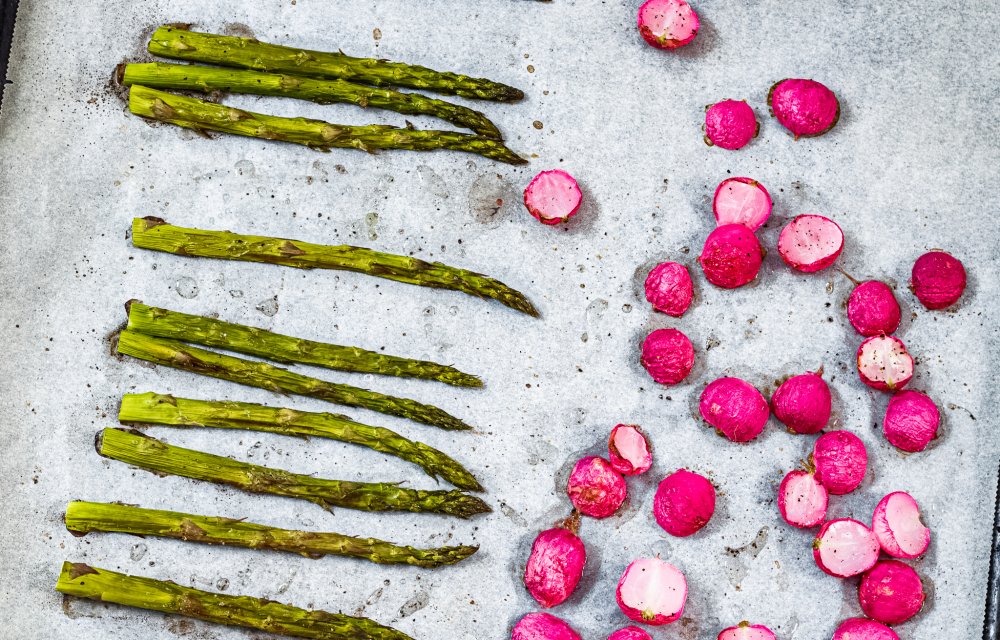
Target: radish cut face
{"points": [[810, 243], [863, 629], [543, 626], [884, 363], [891, 592], [628, 450], [667, 24], [741, 201], [898, 527], [802, 500], [630, 633], [845, 548], [553, 197], [872, 309], [911, 421], [652, 591], [747, 631]]}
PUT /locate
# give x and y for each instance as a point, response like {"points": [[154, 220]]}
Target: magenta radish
{"points": [[668, 356], [735, 408], [863, 629], [937, 279], [628, 450], [741, 201], [911, 421], [810, 243], [884, 363], [891, 592], [730, 124], [841, 460], [630, 633], [553, 197], [595, 488], [669, 288], [802, 500], [652, 591], [667, 24], [555, 564], [804, 107], [543, 626], [747, 631], [803, 403], [684, 503], [731, 257], [872, 309], [897, 526], [845, 548]]}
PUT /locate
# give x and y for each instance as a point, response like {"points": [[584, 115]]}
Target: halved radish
{"points": [[810, 243], [667, 24], [652, 591], [802, 500], [841, 460], [747, 631], [553, 197], [911, 421], [897, 526], [741, 201], [845, 548], [884, 363], [628, 450]]}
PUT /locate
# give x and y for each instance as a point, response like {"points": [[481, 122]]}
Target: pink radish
{"points": [[730, 124], [884, 363], [863, 629], [553, 197], [684, 503], [652, 591], [911, 421], [845, 548], [668, 356], [543, 626], [595, 488], [555, 564], [747, 631], [897, 526], [841, 460], [872, 309], [802, 500], [667, 24], [628, 450], [731, 257], [938, 279], [891, 592], [741, 201], [810, 243], [630, 633], [803, 403], [804, 107], [735, 408], [669, 288]]}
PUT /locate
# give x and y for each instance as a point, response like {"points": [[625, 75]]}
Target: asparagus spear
{"points": [[203, 115], [262, 343], [159, 457], [155, 408], [85, 517], [156, 234], [172, 41], [83, 581], [266, 376], [184, 77]]}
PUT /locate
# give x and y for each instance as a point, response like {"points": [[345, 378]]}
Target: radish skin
{"points": [[595, 488], [553, 197], [810, 243], [741, 201], [873, 310], [667, 24], [730, 124], [803, 403], [841, 461], [897, 526], [555, 565], [731, 257], [845, 548], [911, 421], [735, 408], [891, 592], [628, 450], [630, 633], [884, 363], [652, 592], [805, 107], [938, 280], [684, 503], [669, 288], [802, 500], [747, 631], [668, 356], [543, 626], [863, 629]]}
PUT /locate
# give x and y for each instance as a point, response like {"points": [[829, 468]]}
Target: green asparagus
{"points": [[184, 77], [83, 581], [178, 355], [159, 457], [155, 408], [178, 42], [85, 517], [262, 343], [202, 115], [156, 234]]}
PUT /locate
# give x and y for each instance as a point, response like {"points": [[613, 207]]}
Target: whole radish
{"points": [[810, 243], [891, 592], [911, 421], [898, 527], [803, 403], [669, 288], [553, 197], [731, 257], [805, 107], [595, 488], [937, 279], [555, 564], [841, 460], [863, 629], [684, 503], [802, 500], [667, 24], [730, 124], [628, 450], [668, 356], [630, 633], [845, 548], [872, 309], [741, 201], [543, 626], [735, 408], [652, 591], [884, 363], [747, 631]]}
